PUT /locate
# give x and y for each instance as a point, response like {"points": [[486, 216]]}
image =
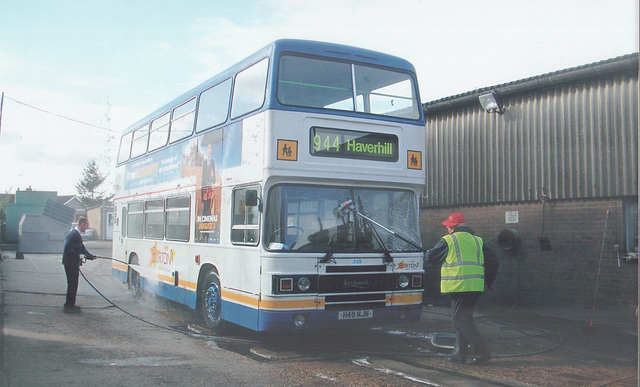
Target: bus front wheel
{"points": [[211, 302]]}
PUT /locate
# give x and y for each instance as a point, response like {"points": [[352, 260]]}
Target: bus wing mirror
{"points": [[251, 198]]}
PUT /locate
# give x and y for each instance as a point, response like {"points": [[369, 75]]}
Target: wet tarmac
{"points": [[544, 347], [530, 346]]}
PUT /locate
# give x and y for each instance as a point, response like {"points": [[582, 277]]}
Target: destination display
{"points": [[330, 142]]}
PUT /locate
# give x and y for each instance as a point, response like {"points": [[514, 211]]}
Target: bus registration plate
{"points": [[355, 314]]}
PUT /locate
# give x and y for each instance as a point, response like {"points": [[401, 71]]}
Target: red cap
{"points": [[454, 219]]}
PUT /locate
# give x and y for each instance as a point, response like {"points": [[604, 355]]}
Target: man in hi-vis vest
{"points": [[462, 257]]}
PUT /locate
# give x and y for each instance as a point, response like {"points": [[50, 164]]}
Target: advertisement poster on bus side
{"points": [[202, 159]]}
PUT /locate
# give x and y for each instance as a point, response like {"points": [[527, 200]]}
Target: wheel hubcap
{"points": [[212, 301]]}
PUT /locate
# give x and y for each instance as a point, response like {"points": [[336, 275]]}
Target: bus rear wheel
{"points": [[211, 302], [133, 279]]}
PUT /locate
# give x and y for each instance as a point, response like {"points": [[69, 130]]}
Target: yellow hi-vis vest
{"points": [[463, 268]]}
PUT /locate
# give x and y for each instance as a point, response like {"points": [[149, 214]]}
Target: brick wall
{"points": [[565, 275]]}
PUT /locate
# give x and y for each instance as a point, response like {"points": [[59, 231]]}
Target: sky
{"points": [[75, 73]]}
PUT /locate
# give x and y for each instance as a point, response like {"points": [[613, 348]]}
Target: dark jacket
{"points": [[73, 247], [435, 257]]}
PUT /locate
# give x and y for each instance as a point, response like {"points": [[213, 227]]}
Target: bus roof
{"points": [[340, 51], [274, 49]]}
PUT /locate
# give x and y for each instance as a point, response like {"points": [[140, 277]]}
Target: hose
{"points": [[191, 334], [127, 313], [604, 237], [507, 326]]}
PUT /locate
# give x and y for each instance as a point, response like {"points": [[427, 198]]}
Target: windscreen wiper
{"points": [[367, 222], [328, 257], [349, 206]]}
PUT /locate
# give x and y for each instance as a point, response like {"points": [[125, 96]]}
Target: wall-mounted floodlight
{"points": [[490, 104]]}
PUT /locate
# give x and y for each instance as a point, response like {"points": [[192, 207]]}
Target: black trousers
{"points": [[463, 305], [72, 272]]}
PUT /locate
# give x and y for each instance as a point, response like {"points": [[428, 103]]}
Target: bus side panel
{"points": [[170, 292], [240, 315], [119, 274]]}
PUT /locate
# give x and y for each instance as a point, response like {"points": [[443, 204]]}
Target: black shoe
{"points": [[72, 309], [457, 357], [479, 359]]}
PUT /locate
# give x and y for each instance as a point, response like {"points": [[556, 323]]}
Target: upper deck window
{"points": [[325, 84], [140, 141], [213, 106], [159, 132], [125, 147], [249, 89], [182, 121]]}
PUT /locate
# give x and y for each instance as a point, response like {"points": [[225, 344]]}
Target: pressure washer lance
{"points": [[112, 259]]}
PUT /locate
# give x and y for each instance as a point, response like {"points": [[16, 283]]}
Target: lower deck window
{"points": [[158, 219], [154, 219], [135, 220], [245, 229], [178, 213]]}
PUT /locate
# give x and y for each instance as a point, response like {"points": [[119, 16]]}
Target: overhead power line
{"points": [[58, 115]]}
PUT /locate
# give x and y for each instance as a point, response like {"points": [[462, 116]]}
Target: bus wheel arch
{"points": [[204, 271], [210, 298], [133, 277]]}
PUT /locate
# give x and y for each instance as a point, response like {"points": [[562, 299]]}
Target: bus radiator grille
{"points": [[351, 301]]}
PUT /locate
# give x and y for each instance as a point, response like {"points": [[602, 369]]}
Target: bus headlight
{"points": [[294, 284], [304, 284], [403, 281]]}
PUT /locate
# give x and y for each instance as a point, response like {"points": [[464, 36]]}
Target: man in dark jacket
{"points": [[467, 267], [73, 247]]}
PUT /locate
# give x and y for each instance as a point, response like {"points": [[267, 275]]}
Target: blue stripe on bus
{"points": [[328, 319], [264, 320], [240, 315], [119, 274], [162, 289]]}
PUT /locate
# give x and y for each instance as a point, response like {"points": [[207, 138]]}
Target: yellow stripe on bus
{"points": [[119, 266], [188, 285], [292, 304], [279, 304], [191, 286], [181, 283], [404, 299], [254, 302], [240, 298]]}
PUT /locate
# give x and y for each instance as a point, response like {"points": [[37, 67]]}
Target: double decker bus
{"points": [[281, 194]]}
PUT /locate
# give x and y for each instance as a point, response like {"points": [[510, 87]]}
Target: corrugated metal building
{"points": [[556, 161]]}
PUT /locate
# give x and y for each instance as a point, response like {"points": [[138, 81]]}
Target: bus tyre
{"points": [[133, 278], [211, 302]]}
